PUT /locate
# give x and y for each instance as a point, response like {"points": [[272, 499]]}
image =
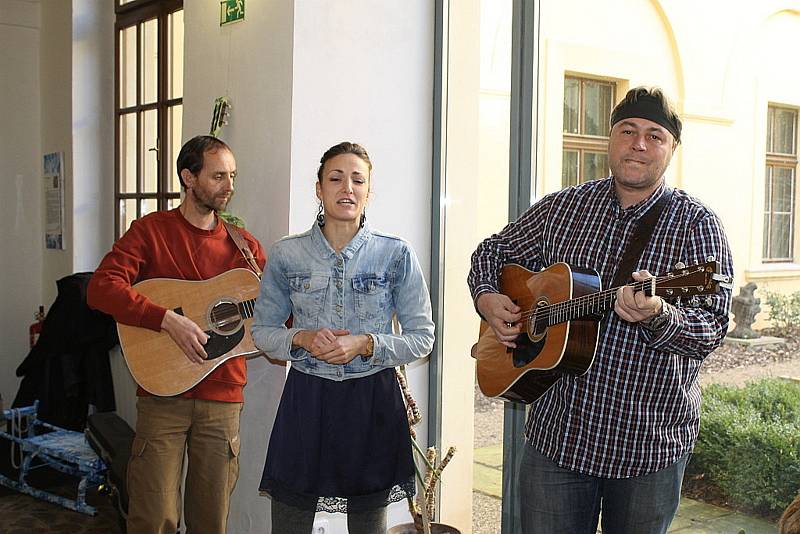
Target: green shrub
{"points": [[749, 443], [784, 310]]}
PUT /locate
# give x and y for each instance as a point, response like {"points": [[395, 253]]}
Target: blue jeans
{"points": [[556, 500]]}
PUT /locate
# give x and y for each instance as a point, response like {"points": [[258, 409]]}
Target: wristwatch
{"points": [[370, 348], [659, 321]]}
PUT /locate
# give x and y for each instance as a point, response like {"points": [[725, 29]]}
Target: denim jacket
{"points": [[373, 278]]}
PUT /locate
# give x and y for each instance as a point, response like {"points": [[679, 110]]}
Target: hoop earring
{"points": [[363, 219], [320, 216]]}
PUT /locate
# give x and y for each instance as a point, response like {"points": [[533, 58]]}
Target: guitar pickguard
{"points": [[527, 350], [219, 345]]}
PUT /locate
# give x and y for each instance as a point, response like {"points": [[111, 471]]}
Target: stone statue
{"points": [[745, 307]]}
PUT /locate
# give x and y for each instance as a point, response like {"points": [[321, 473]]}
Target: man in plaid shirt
{"points": [[618, 438]]}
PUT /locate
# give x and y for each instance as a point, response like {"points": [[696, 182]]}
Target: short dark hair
{"points": [[192, 154], [652, 104], [345, 147]]}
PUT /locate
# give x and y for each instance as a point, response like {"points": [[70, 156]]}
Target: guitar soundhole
{"points": [[225, 317], [537, 324]]}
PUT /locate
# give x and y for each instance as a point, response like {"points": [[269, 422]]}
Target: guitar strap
{"points": [[244, 248], [641, 236]]}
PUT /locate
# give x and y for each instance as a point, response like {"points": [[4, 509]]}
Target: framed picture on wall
{"points": [[54, 200]]}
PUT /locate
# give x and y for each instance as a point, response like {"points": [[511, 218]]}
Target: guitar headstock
{"points": [[219, 118], [700, 279]]}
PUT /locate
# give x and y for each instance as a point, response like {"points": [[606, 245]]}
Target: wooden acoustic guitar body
{"points": [[544, 353], [222, 306]]}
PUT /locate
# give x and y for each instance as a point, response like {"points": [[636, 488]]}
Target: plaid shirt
{"points": [[637, 409]]}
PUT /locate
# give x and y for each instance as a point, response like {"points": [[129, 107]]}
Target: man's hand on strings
{"points": [[186, 334], [502, 315]]}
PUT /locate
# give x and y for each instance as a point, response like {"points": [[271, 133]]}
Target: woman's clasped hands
{"points": [[331, 345]]}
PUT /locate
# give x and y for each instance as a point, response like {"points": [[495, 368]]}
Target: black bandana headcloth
{"points": [[648, 107]]}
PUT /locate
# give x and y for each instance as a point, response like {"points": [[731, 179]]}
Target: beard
{"points": [[210, 201]]}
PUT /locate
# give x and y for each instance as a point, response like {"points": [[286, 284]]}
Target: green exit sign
{"points": [[231, 11]]}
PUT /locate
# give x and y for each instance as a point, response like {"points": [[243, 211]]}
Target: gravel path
{"points": [[736, 364], [729, 364]]}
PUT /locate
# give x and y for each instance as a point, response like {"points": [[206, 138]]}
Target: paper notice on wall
{"points": [[54, 200]]}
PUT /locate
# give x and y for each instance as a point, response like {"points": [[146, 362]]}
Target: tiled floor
{"points": [[23, 514]]}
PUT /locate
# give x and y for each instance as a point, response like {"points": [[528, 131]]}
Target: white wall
{"points": [[39, 46], [22, 239], [92, 131], [363, 72], [251, 62], [40, 101], [303, 76], [55, 70]]}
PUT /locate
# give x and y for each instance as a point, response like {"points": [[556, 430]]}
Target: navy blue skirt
{"points": [[339, 446]]}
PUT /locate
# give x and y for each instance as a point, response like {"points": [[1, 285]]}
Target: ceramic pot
{"points": [[436, 528]]}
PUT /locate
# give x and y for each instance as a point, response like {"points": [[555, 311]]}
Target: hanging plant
{"points": [[231, 218]]}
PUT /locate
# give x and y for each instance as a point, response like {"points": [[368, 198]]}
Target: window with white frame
{"points": [[587, 108], [781, 184]]}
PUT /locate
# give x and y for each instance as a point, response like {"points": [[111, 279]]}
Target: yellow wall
{"points": [[458, 332], [721, 63]]}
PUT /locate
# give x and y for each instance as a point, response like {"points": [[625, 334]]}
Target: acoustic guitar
{"points": [[561, 311], [222, 306]]}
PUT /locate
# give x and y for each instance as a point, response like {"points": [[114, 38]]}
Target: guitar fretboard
{"points": [[577, 308], [247, 308]]}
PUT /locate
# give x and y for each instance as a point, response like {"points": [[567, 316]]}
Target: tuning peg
{"points": [[711, 258], [680, 265], [709, 301]]}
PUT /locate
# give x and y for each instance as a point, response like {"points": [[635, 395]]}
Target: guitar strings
{"points": [[601, 295], [231, 312], [560, 309], [248, 308]]}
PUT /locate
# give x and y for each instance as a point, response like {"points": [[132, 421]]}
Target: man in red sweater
{"points": [[189, 243]]}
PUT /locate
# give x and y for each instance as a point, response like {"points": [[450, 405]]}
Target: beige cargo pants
{"points": [[166, 427]]}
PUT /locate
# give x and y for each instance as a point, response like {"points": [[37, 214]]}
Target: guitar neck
{"points": [[587, 305], [247, 308]]}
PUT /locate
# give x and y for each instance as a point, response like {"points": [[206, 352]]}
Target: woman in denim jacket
{"points": [[341, 440]]}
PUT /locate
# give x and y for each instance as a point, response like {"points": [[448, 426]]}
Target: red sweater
{"points": [[165, 245]]}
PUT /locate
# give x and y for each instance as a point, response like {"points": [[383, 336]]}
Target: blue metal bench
{"points": [[41, 444]]}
